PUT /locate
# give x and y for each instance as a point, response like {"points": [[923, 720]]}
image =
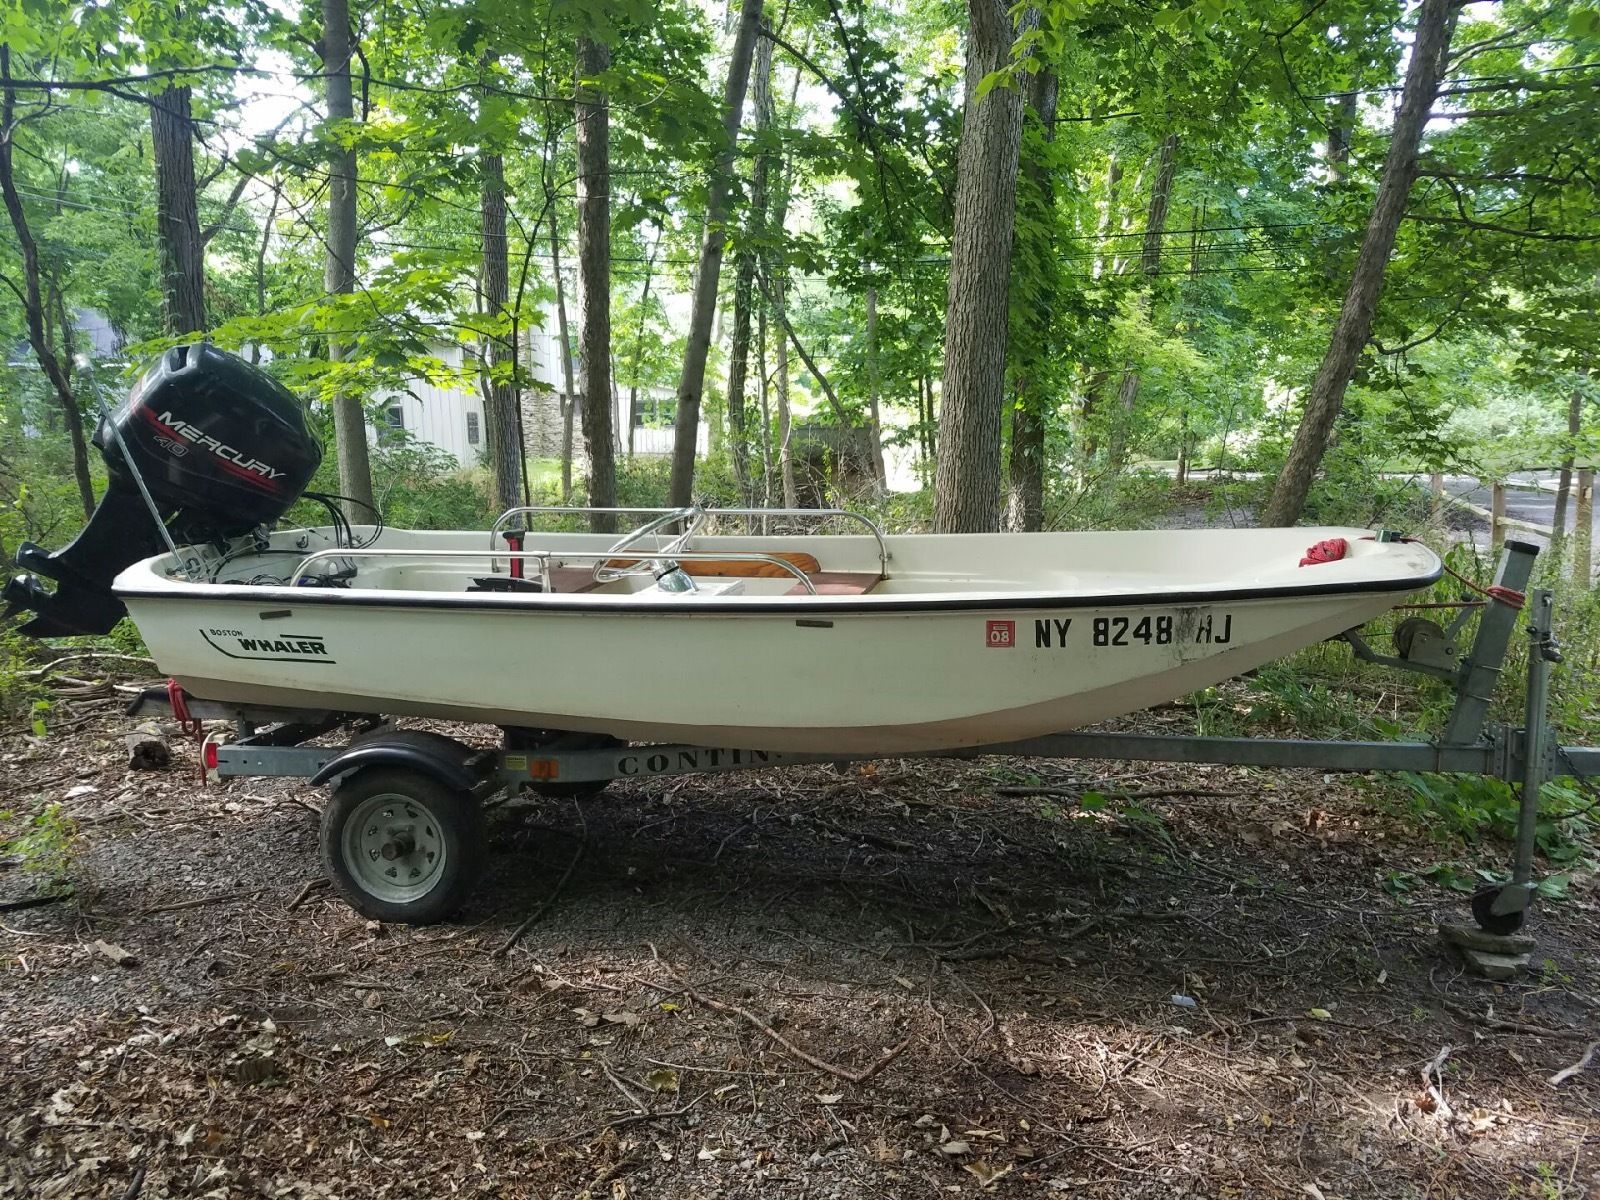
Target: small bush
{"points": [[45, 847]]}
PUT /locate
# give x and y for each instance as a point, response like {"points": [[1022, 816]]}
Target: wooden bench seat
{"points": [[570, 580], [839, 583], [742, 568]]}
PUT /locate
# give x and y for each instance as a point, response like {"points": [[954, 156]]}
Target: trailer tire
{"points": [[401, 845]]}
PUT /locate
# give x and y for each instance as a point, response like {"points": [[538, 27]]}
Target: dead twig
{"points": [[633, 1101], [500, 951], [198, 902], [34, 901], [1433, 1081], [860, 835], [638, 1118], [304, 893], [1520, 1027], [102, 655], [1576, 1068], [1115, 793], [809, 1059]]}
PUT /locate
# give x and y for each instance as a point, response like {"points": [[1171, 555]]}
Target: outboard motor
{"points": [[221, 448]]}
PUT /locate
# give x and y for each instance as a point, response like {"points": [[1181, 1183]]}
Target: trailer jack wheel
{"points": [[1497, 916], [402, 846]]}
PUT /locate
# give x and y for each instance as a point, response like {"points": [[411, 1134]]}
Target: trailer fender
{"points": [[431, 754]]}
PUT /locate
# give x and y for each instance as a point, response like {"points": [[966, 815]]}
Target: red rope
{"points": [[1507, 596], [180, 710]]}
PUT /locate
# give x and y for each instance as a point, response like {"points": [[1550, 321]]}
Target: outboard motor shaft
{"points": [[221, 447]]}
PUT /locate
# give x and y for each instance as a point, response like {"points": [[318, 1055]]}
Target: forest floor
{"points": [[1205, 990]]}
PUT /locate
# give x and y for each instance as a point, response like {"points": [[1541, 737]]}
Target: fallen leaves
{"points": [[662, 1079], [591, 1019], [116, 954], [419, 1038]]}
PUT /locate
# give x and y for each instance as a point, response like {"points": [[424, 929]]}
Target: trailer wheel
{"points": [[402, 846]]}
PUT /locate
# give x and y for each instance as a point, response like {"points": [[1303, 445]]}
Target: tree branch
{"points": [[1424, 338], [822, 380], [1491, 227]]}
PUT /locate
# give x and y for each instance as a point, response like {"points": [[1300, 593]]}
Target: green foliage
{"points": [[1473, 808], [44, 848]]}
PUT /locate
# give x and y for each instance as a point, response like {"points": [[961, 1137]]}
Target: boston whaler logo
{"points": [[280, 647], [174, 435]]}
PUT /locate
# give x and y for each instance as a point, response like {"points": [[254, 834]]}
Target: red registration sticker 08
{"points": [[1000, 635]]}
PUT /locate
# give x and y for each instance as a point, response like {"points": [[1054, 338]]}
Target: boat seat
{"points": [[839, 583], [742, 568], [572, 579]]}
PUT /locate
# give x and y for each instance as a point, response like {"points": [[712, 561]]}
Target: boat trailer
{"points": [[402, 837]]}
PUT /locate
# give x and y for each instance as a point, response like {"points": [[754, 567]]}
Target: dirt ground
{"points": [[977, 987]]}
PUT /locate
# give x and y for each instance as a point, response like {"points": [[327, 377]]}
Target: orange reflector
{"points": [[209, 755]]}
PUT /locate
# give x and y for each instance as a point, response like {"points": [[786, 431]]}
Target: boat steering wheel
{"points": [[692, 516]]}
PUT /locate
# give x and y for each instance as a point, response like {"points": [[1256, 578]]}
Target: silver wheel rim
{"points": [[394, 848]]}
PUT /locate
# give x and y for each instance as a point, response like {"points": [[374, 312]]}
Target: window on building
{"points": [[395, 416], [473, 433], [655, 413]]}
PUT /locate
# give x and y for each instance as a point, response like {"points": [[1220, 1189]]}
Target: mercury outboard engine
{"points": [[221, 447]]}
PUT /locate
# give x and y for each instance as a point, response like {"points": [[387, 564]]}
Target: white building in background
{"points": [[451, 417]]}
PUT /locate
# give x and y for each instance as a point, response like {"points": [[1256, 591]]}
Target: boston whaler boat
{"points": [[864, 643], [791, 645]]}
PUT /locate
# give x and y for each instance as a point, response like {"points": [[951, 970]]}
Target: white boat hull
{"points": [[901, 669]]}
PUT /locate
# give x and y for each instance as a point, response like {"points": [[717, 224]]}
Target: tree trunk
{"points": [[1108, 215], [880, 472], [791, 494], [745, 272], [738, 369], [1339, 135], [183, 271], [766, 405], [1428, 51], [1569, 459], [349, 421], [261, 268], [594, 276], [839, 411], [967, 479], [499, 397], [691, 384], [32, 298], [638, 339], [569, 397], [1155, 229], [1029, 406]]}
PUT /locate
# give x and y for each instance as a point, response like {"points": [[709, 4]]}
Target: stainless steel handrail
{"points": [[872, 526], [500, 521], [544, 557], [702, 556]]}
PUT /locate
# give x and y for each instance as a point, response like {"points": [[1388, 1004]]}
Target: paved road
{"points": [[1524, 503]]}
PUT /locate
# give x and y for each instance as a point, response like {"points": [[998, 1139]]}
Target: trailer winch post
{"points": [[1543, 653], [1480, 673]]}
